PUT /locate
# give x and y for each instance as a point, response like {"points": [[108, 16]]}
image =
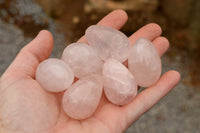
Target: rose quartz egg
{"points": [[82, 59], [82, 98], [144, 62], [119, 84], [54, 75], [108, 42]]}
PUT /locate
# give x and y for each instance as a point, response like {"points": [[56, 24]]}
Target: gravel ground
{"points": [[178, 112]]}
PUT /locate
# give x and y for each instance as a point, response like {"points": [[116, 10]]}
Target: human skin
{"points": [[31, 109]]}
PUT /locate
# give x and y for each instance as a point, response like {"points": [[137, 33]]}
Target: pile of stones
{"points": [[86, 71]]}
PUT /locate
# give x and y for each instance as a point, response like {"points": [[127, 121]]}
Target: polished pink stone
{"points": [[144, 62], [54, 75], [119, 84], [82, 98], [82, 59], [108, 42]]}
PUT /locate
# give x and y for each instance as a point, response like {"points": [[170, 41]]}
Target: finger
{"points": [[31, 55], [115, 19], [150, 96], [149, 31], [161, 44]]}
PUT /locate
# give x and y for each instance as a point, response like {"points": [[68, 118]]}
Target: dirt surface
{"points": [[178, 112]]}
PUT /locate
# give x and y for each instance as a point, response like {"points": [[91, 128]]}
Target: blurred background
{"points": [[179, 111]]}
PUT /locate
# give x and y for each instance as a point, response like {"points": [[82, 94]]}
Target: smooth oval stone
{"points": [[82, 59], [82, 98], [54, 75], [119, 84], [108, 42], [144, 62]]}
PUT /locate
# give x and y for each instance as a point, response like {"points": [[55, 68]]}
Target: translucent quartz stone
{"points": [[119, 84], [144, 62], [108, 42], [54, 75], [82, 59], [82, 98]]}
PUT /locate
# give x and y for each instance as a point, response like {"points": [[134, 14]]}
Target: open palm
{"points": [[26, 107]]}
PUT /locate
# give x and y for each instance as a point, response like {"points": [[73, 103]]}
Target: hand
{"points": [[26, 107]]}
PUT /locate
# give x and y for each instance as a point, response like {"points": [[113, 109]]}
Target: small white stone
{"points": [[144, 62], [119, 84], [108, 42], [54, 75], [82, 59], [82, 98]]}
